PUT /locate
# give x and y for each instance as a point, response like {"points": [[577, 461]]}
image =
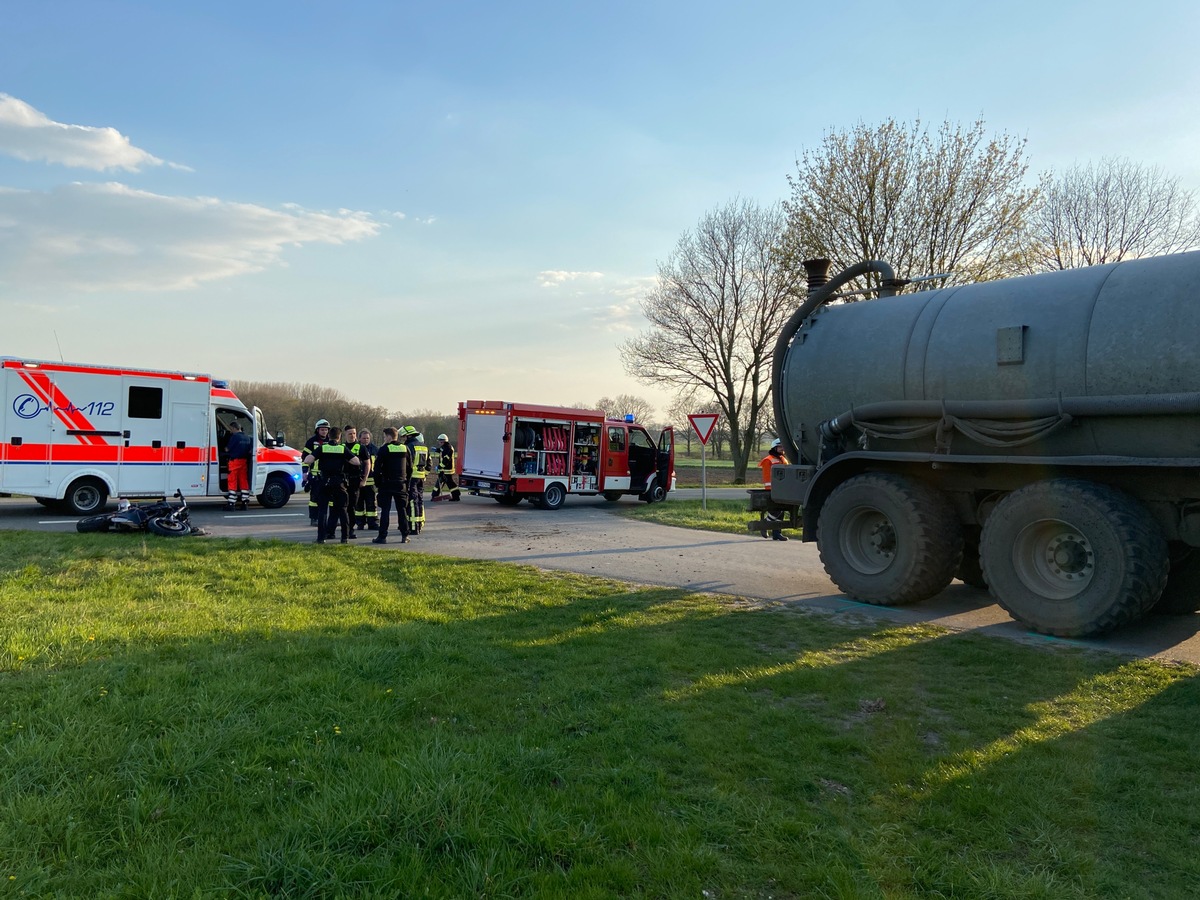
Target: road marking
{"points": [[263, 515]]}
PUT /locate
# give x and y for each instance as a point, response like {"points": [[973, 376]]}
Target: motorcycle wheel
{"points": [[165, 527], [93, 523]]}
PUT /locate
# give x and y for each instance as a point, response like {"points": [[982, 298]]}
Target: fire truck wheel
{"points": [[656, 494], [85, 497], [508, 499], [553, 496], [612, 496]]}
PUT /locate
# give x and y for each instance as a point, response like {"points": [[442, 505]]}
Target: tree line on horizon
{"points": [[956, 204]]}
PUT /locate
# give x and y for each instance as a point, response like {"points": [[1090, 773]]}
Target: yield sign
{"points": [[703, 424]]}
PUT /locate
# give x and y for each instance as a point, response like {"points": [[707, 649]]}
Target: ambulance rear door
{"points": [[28, 424]]}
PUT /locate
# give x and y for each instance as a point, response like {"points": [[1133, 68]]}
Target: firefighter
{"points": [[312, 476], [393, 469], [445, 470], [419, 454], [336, 464], [366, 514], [353, 479], [774, 457], [238, 448]]}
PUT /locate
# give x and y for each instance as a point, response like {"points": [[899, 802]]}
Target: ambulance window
{"points": [[639, 438], [616, 439], [145, 402]]}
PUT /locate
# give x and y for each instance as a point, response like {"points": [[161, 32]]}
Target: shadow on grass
{"points": [[484, 730]]}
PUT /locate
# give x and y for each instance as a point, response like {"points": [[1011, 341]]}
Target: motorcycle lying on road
{"points": [[163, 518]]}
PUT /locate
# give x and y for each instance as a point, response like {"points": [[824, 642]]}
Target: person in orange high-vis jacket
{"points": [[774, 457]]}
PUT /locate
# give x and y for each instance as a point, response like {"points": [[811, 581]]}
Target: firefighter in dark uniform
{"points": [[393, 470], [445, 470], [366, 514], [312, 474], [336, 464], [353, 479], [419, 454]]}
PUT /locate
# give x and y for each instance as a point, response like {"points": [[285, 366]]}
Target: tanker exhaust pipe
{"points": [[818, 272]]}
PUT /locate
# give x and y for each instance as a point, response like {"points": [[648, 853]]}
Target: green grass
{"points": [[225, 718], [725, 516]]}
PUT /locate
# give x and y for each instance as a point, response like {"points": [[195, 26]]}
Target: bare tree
{"points": [[954, 202], [1110, 211], [623, 404], [716, 311]]}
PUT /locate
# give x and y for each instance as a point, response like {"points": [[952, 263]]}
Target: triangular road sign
{"points": [[703, 424]]}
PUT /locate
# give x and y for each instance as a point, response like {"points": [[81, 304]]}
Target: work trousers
{"points": [[332, 510], [387, 497], [366, 512], [446, 479]]}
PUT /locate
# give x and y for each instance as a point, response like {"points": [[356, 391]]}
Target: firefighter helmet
{"points": [[409, 429], [322, 423], [442, 437]]}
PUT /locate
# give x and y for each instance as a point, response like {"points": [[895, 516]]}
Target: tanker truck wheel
{"points": [[889, 540], [1073, 558], [1182, 593]]}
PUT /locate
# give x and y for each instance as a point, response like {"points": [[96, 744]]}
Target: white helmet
{"points": [[775, 443], [442, 437], [322, 423]]}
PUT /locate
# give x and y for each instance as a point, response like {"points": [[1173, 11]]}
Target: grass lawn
{"points": [[207, 718], [726, 516]]}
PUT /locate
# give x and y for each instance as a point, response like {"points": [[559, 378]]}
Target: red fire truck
{"points": [[76, 434], [519, 451]]}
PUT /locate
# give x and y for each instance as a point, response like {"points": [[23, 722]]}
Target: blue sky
{"points": [[424, 203]]}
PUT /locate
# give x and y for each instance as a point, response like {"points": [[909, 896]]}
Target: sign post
{"points": [[703, 424]]}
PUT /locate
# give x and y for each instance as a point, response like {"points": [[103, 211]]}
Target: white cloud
{"points": [[555, 278], [89, 237], [29, 135]]}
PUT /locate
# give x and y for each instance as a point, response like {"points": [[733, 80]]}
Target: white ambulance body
{"points": [[74, 435]]}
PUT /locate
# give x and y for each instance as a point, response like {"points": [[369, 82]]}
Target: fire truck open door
{"points": [[666, 456]]}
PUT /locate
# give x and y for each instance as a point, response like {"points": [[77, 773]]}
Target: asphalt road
{"points": [[584, 536]]}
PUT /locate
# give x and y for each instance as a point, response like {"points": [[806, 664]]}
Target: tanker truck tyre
{"points": [[276, 492], [85, 497], [970, 571], [889, 540], [553, 496], [1182, 593], [1072, 558]]}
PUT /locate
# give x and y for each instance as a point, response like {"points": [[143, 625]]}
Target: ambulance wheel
{"points": [[276, 492], [85, 497], [553, 496], [612, 496]]}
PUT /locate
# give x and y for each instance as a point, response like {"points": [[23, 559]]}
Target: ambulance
{"points": [[74, 435], [523, 451]]}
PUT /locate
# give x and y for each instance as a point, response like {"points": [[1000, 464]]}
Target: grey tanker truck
{"points": [[1038, 435]]}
